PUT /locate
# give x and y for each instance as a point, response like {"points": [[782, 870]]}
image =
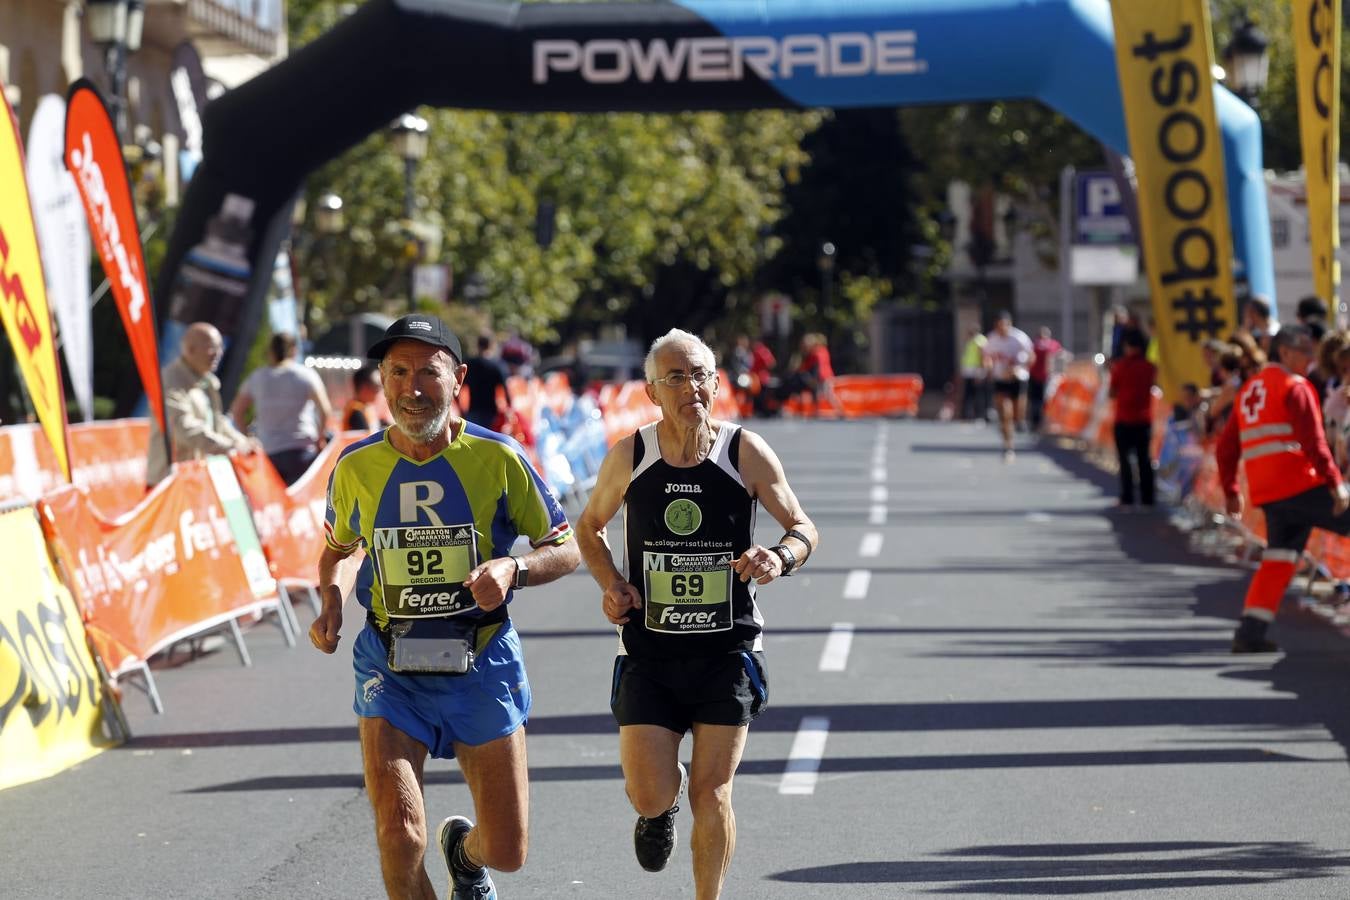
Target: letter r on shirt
{"points": [[419, 495]]}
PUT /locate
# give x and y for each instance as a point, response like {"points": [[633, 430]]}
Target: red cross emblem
{"points": [[1253, 401]]}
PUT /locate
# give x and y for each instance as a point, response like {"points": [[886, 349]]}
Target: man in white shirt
{"points": [[1007, 353]]}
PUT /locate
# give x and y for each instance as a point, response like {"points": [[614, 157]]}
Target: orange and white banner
{"points": [[1317, 43], [23, 292], [109, 463], [51, 695], [167, 570], [290, 521], [94, 157], [1165, 55]]}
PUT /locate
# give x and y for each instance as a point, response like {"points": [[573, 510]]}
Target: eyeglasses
{"points": [[678, 380]]}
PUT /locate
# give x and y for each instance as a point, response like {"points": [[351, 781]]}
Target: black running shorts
{"points": [[675, 693], [1013, 387]]}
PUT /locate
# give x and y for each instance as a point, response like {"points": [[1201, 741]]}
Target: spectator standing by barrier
{"points": [[438, 503], [1324, 373], [360, 413], [484, 378], [1252, 356], [291, 409], [762, 362], [1336, 405], [1132, 379], [690, 653], [518, 356], [814, 375], [1007, 352], [193, 409], [1257, 322], [1312, 311], [1221, 398], [1211, 350], [1045, 349], [974, 402], [1276, 430]]}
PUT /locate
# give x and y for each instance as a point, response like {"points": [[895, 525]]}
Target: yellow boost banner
{"points": [[23, 292], [51, 694], [1317, 39], [1164, 53]]}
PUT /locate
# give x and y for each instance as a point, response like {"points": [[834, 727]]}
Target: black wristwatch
{"points": [[522, 573], [787, 556]]}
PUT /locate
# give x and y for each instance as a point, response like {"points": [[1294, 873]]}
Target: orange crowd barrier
{"points": [[865, 395], [1069, 408], [166, 570], [108, 460], [290, 520]]}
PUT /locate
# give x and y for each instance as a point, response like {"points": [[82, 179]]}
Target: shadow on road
{"points": [[1314, 666], [1085, 869]]}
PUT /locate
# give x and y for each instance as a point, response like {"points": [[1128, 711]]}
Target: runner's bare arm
{"points": [[334, 571], [764, 477], [607, 496]]}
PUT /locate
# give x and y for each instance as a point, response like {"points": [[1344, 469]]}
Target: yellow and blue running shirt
{"points": [[426, 525]]}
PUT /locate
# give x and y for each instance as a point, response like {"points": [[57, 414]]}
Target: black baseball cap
{"points": [[427, 329]]}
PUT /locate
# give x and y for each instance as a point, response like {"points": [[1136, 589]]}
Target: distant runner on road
{"points": [[1007, 353]]}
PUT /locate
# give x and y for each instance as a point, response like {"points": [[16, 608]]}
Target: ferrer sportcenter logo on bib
{"points": [[683, 516]]}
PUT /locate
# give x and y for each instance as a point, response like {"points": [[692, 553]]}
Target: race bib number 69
{"points": [[687, 593]]}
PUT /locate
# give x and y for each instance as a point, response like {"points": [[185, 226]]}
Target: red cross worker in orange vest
{"points": [[1276, 429]]}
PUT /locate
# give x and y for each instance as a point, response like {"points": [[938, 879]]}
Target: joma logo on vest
{"points": [[684, 488]]}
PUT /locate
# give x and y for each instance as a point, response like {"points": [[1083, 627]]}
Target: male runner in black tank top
{"points": [[690, 654]]}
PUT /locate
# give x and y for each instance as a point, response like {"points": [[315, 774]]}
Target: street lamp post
{"points": [[328, 223], [410, 142], [825, 262], [116, 26], [1245, 62]]}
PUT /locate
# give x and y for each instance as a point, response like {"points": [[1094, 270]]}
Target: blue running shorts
{"points": [[479, 706]]}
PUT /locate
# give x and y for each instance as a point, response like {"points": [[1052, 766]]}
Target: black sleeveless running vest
{"points": [[683, 528]]}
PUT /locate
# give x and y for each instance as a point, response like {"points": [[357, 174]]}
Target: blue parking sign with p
{"points": [[1100, 213]]}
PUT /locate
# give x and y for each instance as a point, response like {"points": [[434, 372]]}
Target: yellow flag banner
{"points": [[23, 292], [51, 693], [1164, 54], [1317, 42]]}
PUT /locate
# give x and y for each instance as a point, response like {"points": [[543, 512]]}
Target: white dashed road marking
{"points": [[834, 658], [803, 761], [855, 586]]}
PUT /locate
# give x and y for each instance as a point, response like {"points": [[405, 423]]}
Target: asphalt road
{"points": [[1011, 690]]}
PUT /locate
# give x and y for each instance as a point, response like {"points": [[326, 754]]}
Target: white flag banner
{"points": [[63, 237]]}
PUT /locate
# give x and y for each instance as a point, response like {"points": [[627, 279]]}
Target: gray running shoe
{"points": [[654, 839], [463, 885]]}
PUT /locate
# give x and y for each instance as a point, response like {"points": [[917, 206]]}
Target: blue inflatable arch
{"points": [[393, 55]]}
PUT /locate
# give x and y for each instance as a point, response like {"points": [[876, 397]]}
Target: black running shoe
{"points": [[1250, 636], [654, 839], [1256, 645], [463, 885]]}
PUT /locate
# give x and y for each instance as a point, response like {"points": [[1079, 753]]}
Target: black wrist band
{"points": [[794, 533], [787, 556]]}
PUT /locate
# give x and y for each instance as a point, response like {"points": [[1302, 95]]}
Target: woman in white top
{"points": [[291, 409]]}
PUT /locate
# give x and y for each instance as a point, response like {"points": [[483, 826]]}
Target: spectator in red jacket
{"points": [[1132, 379]]}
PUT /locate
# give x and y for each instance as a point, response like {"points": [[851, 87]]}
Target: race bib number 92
{"points": [[422, 569]]}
